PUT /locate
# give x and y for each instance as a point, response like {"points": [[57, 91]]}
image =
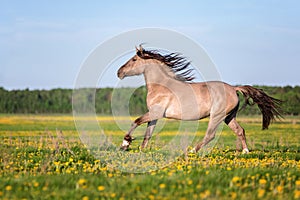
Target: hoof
{"points": [[193, 151], [122, 148], [124, 145], [245, 151]]}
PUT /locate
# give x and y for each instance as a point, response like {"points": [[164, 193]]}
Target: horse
{"points": [[172, 94]]}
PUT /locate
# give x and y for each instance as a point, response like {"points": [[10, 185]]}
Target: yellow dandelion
{"points": [[297, 194], [85, 198], [35, 184], [280, 189], [8, 188], [233, 195], [81, 183], [205, 194], [101, 188], [113, 195], [261, 193], [262, 181], [162, 186], [297, 183], [236, 181], [154, 191]]}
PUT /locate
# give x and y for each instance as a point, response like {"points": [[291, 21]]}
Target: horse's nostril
{"points": [[121, 74]]}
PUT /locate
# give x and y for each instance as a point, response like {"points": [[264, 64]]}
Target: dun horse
{"points": [[171, 94]]}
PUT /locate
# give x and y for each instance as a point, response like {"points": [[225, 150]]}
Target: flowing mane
{"points": [[175, 61]]}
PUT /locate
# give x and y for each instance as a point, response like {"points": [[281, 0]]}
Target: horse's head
{"points": [[134, 66]]}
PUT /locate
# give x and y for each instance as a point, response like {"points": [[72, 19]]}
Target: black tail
{"points": [[269, 106]]}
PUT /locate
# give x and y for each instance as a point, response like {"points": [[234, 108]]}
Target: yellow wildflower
{"points": [[233, 195], [261, 193], [162, 186], [205, 194], [113, 195], [280, 189], [101, 188], [35, 184], [8, 188], [297, 183], [297, 194], [236, 181], [85, 198], [81, 183], [189, 182], [262, 181]]}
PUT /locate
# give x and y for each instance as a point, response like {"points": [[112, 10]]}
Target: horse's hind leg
{"points": [[240, 132], [149, 131]]}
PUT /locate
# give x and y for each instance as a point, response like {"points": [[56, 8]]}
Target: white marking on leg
{"points": [[125, 143], [245, 151]]}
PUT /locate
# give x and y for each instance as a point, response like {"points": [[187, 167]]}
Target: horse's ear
{"points": [[141, 48], [139, 51]]}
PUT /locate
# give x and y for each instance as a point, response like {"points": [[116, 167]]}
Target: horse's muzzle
{"points": [[121, 74]]}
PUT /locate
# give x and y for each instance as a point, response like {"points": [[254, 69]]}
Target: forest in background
{"points": [[60, 100]]}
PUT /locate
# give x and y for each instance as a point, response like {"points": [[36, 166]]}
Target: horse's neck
{"points": [[158, 74]]}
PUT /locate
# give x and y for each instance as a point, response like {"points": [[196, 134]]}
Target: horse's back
{"points": [[217, 96]]}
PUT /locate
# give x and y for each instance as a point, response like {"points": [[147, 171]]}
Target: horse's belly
{"points": [[186, 112]]}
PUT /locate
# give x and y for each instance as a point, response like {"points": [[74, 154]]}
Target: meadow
{"points": [[43, 157]]}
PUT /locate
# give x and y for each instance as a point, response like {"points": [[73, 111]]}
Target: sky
{"points": [[44, 43]]}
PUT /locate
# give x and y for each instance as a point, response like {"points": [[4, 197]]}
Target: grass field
{"points": [[42, 157]]}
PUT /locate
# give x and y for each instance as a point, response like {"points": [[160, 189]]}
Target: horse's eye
{"points": [[133, 59]]}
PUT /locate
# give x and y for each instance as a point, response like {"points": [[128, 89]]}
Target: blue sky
{"points": [[43, 43]]}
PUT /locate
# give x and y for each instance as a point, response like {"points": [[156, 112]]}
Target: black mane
{"points": [[175, 61]]}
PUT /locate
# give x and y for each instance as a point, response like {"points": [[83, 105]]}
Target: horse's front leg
{"points": [[127, 138], [149, 132]]}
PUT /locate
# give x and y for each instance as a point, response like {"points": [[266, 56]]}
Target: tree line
{"points": [[122, 100]]}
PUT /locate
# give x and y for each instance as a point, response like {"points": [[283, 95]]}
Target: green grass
{"points": [[42, 157]]}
